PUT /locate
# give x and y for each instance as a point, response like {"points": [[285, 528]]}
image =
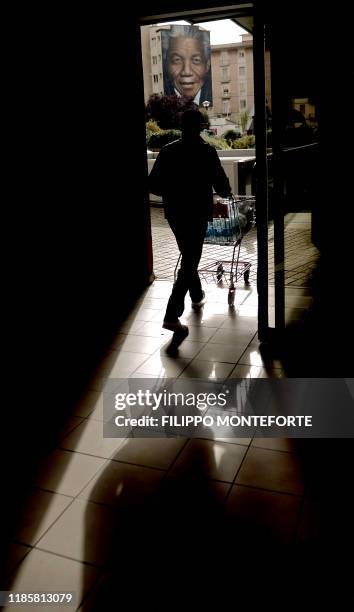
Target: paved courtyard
{"points": [[300, 254]]}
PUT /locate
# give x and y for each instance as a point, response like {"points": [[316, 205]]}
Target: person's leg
{"points": [[190, 242], [175, 306], [195, 286]]}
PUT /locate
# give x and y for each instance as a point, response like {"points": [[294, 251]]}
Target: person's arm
{"points": [[156, 176], [221, 183]]}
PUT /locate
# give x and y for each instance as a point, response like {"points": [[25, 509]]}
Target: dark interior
{"points": [[82, 245]]}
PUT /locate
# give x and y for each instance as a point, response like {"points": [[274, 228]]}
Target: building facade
{"points": [[232, 70], [151, 50]]}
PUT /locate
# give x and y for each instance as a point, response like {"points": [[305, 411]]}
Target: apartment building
{"points": [[232, 75], [151, 50]]}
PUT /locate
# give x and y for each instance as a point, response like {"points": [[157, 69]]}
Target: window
{"points": [[241, 54], [154, 59], [224, 58], [225, 92], [243, 104], [225, 74], [242, 71], [242, 87], [153, 41], [156, 78], [159, 57]]}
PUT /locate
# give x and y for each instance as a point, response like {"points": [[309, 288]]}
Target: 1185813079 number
{"points": [[17, 597]]}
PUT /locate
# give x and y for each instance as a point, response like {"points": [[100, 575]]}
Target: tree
{"points": [[230, 136], [167, 110], [244, 120]]}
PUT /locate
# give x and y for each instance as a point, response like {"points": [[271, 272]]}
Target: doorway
{"points": [[283, 254], [230, 113]]}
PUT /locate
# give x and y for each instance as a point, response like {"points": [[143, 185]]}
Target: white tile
{"points": [[154, 303], [248, 311], [153, 330], [237, 322], [228, 353], [252, 356], [202, 319], [207, 369], [210, 459], [200, 333], [141, 375], [160, 289], [154, 452], [273, 470], [123, 485], [141, 344], [282, 444], [43, 572], [252, 371], [162, 365], [141, 313], [66, 472], [241, 441], [125, 364], [232, 336], [84, 532], [40, 511], [88, 438], [217, 308], [188, 348], [158, 317]]}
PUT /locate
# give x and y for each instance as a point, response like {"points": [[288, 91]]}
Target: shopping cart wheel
{"points": [[246, 276], [219, 272], [231, 297]]}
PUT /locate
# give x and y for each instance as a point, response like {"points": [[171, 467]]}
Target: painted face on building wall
{"points": [[187, 65]]}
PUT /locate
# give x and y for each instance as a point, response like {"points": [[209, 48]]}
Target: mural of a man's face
{"points": [[187, 65]]}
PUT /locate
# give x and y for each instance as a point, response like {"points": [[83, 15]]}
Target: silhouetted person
{"points": [[184, 174]]}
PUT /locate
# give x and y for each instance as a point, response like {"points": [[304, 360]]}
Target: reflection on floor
{"points": [[99, 505]]}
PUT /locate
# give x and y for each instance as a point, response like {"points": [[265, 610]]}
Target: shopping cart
{"points": [[232, 218]]}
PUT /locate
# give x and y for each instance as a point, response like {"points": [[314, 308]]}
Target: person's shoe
{"points": [[174, 326], [200, 303], [180, 333]]}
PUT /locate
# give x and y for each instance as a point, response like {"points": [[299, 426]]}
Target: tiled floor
{"points": [[300, 253], [89, 485]]}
